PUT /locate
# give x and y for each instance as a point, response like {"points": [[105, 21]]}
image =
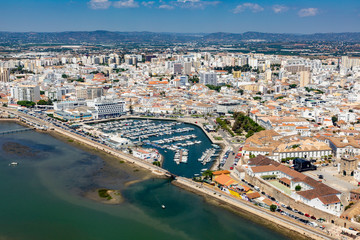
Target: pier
{"points": [[16, 131]]}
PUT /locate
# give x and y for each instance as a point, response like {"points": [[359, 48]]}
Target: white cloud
{"points": [[99, 4], [279, 8], [105, 4], [308, 12], [148, 4], [165, 6], [126, 4], [195, 3], [254, 7]]}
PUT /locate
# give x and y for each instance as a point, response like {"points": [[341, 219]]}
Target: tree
{"points": [[64, 76], [334, 119], [194, 79], [208, 174], [213, 87], [27, 104], [156, 163], [273, 207], [298, 188]]}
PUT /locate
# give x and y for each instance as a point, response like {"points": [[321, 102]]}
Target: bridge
{"points": [[16, 131]]}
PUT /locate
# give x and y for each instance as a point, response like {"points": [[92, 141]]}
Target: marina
{"points": [[181, 144]]}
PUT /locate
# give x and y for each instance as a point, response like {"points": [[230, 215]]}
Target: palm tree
{"points": [[208, 174]]}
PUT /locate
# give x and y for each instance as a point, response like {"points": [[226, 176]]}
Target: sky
{"points": [[183, 16]]}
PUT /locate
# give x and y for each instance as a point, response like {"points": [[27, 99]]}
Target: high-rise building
{"points": [[4, 75], [304, 78], [177, 68], [208, 78], [187, 68], [26, 93], [149, 57], [268, 75]]}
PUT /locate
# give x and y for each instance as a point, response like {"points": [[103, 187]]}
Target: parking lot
{"points": [[333, 179]]}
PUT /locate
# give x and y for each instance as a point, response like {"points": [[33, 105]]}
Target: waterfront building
{"points": [[147, 155], [312, 192], [106, 108], [74, 115]]}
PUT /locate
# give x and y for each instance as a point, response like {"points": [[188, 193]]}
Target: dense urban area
{"points": [[284, 125]]}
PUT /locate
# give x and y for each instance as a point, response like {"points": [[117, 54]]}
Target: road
{"points": [[228, 143]]}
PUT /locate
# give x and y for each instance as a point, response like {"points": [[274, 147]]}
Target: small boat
{"points": [[13, 164], [163, 206]]}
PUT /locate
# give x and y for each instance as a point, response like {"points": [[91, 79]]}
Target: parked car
{"points": [[302, 214], [312, 217], [289, 208], [307, 215]]}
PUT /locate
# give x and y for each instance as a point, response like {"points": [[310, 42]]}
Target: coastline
{"points": [[291, 233], [265, 219], [112, 157]]}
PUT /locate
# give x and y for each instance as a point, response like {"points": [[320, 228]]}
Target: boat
{"points": [[163, 206], [13, 164]]}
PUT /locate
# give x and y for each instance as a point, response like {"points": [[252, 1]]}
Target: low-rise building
{"points": [[299, 186]]}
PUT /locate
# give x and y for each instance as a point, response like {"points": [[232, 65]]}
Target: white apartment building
{"points": [[26, 93], [63, 105], [208, 78], [103, 108]]}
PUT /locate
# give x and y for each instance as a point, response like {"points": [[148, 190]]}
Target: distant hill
{"points": [[283, 37], [108, 37], [95, 37]]}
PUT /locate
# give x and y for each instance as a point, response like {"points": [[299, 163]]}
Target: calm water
{"points": [[41, 199], [193, 166]]}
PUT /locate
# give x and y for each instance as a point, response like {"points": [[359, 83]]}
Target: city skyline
{"points": [[183, 16]]}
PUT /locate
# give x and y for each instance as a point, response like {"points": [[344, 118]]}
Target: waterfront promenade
{"points": [[244, 205]]}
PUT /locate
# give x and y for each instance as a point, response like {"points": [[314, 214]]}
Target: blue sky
{"points": [[280, 16]]}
